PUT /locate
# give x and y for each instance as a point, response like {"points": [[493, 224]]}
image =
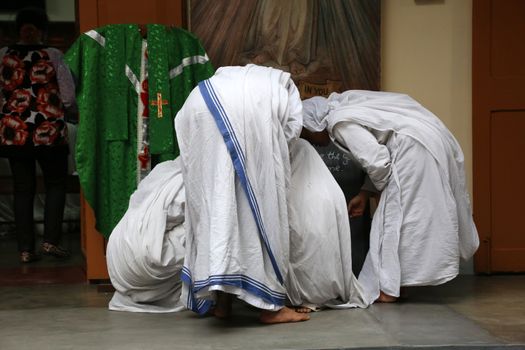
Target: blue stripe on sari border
{"points": [[203, 283], [215, 107], [206, 90], [225, 118], [200, 306], [186, 270], [238, 148], [185, 277], [246, 181], [249, 287], [260, 285]]}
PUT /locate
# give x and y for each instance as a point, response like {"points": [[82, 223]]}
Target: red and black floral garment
{"points": [[31, 113]]}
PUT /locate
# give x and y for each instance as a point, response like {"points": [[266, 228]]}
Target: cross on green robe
{"points": [[106, 65]]}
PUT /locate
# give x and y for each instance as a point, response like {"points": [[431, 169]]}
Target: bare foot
{"points": [[303, 309], [223, 308], [285, 315], [385, 298]]}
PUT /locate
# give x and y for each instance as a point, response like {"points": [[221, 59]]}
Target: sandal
{"points": [[56, 251], [28, 257]]}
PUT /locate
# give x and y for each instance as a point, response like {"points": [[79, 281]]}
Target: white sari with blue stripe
{"points": [[233, 134]]}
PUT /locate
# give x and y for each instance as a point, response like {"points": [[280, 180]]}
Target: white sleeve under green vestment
{"points": [[106, 64]]}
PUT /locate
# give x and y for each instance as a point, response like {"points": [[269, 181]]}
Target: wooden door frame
{"points": [[92, 242], [481, 132], [492, 93], [91, 14]]}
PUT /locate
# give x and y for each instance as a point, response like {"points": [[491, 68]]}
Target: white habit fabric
{"points": [[238, 243], [320, 267], [423, 223], [145, 251], [320, 271]]}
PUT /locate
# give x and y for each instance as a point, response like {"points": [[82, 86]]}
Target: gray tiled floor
{"points": [[471, 312]]}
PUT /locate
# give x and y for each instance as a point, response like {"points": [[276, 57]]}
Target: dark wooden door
{"points": [[499, 133]]}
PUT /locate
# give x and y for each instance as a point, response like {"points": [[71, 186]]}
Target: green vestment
{"points": [[106, 64]]}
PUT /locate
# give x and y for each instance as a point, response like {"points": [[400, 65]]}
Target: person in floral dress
{"points": [[37, 96]]}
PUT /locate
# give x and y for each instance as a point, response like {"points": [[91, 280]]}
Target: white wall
{"points": [[426, 53]]}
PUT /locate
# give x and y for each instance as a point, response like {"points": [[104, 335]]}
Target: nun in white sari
{"points": [[423, 224], [145, 251], [204, 231], [233, 133]]}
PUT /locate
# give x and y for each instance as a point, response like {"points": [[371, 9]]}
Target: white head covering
{"points": [[315, 110], [280, 96]]}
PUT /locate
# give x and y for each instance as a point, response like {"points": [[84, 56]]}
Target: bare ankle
{"points": [[223, 307], [386, 298]]}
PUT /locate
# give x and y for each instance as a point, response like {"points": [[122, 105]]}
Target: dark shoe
{"points": [[28, 257], [56, 251]]}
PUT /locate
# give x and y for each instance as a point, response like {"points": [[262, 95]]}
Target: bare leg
{"points": [[223, 308], [285, 315], [385, 298]]}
